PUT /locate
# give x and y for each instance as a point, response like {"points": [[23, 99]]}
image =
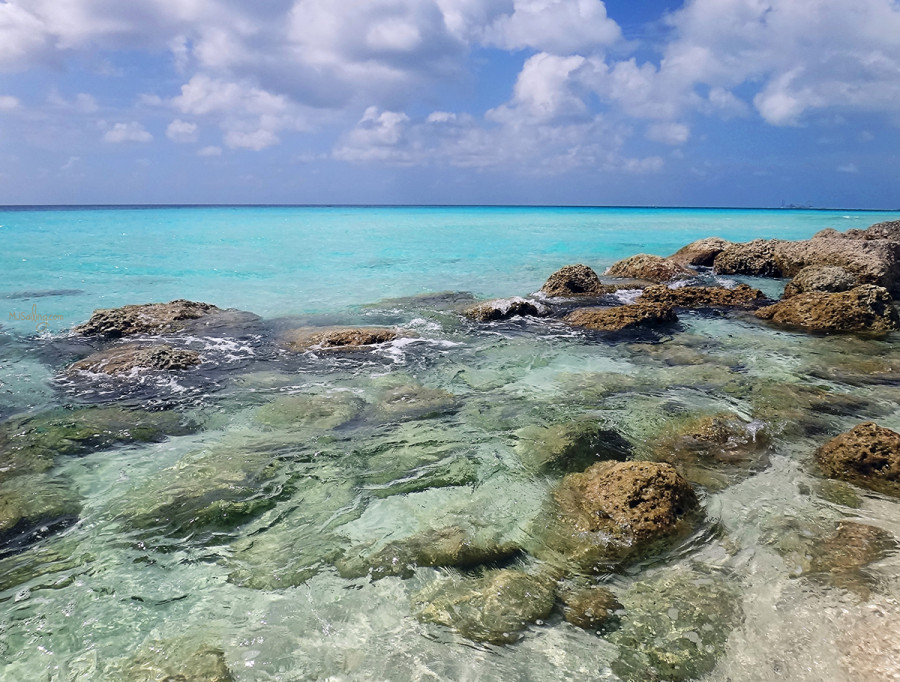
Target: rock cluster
{"points": [[866, 308], [505, 308], [147, 318], [123, 359]]}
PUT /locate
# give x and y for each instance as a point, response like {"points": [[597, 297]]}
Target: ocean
{"points": [[231, 521]]}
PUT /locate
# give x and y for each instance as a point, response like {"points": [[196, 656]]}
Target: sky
{"points": [[555, 102]]}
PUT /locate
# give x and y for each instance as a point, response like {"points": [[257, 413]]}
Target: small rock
{"points": [[590, 608], [339, 338], [741, 296], [573, 280], [840, 557], [821, 278], [122, 359], [620, 318], [866, 308], [867, 455], [701, 252], [505, 308], [147, 318], [493, 608], [651, 268]]}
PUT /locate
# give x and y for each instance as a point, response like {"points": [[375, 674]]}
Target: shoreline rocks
{"points": [[147, 318], [741, 296], [651, 268], [505, 308], [866, 308], [123, 359], [828, 278], [700, 253], [339, 338], [867, 455], [573, 280], [621, 318]]}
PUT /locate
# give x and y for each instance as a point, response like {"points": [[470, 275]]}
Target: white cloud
{"points": [[669, 133], [127, 132], [255, 140], [182, 131], [848, 168], [82, 103], [8, 103], [210, 151], [544, 89]]}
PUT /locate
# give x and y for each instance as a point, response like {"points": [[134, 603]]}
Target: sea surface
{"points": [[211, 523]]}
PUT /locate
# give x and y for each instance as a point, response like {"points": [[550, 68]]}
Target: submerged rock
{"points": [[840, 558], [675, 626], [741, 296], [616, 511], [572, 446], [177, 660], [700, 253], [147, 318], [591, 608], [623, 317], [32, 507], [414, 401], [573, 280], [651, 268], [319, 412], [866, 308], [122, 359], [505, 308], [31, 444], [495, 607], [713, 451], [339, 338], [449, 547], [821, 278], [867, 455]]}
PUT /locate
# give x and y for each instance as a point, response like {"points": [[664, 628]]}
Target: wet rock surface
{"points": [[624, 317], [147, 318], [495, 607], [827, 278], [867, 455], [742, 296], [33, 507], [413, 401], [840, 559], [124, 359], [866, 308], [177, 660], [651, 268], [617, 510], [702, 252], [505, 308], [569, 447], [573, 280], [591, 608], [320, 411], [339, 338]]}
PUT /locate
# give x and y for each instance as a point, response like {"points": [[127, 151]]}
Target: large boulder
{"points": [[615, 511], [866, 308], [755, 258], [650, 268], [741, 296], [339, 338], [505, 308], [701, 252], [147, 318], [889, 229], [867, 455], [132, 356], [573, 280], [828, 278], [494, 607], [623, 317]]}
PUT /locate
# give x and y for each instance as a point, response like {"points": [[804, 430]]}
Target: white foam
{"points": [[628, 296]]}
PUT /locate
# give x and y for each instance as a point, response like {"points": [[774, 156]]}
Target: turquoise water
{"points": [[222, 543]]}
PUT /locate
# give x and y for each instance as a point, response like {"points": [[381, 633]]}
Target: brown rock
{"points": [[651, 268], [756, 258], [887, 230], [590, 608], [121, 359], [701, 252], [703, 297], [866, 308], [148, 318], [867, 455], [828, 233], [873, 261], [573, 280], [619, 318], [505, 308], [615, 510], [821, 278], [338, 338]]}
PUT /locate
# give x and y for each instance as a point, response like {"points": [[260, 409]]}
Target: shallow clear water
{"points": [[234, 532]]}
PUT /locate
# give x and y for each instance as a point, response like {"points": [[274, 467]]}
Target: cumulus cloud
{"points": [[182, 131], [127, 132], [8, 103], [669, 133]]}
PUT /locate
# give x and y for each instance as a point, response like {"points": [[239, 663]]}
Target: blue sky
{"points": [[700, 103]]}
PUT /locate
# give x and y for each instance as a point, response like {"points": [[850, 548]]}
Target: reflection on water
{"points": [[301, 516]]}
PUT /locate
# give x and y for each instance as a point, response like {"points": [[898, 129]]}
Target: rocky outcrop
{"points": [[573, 280], [866, 308], [887, 230], [148, 318], [591, 608], [505, 308], [867, 455], [701, 252], [621, 318], [650, 268], [827, 278], [755, 258], [493, 608], [122, 359], [741, 296], [339, 338], [569, 447], [617, 510]]}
